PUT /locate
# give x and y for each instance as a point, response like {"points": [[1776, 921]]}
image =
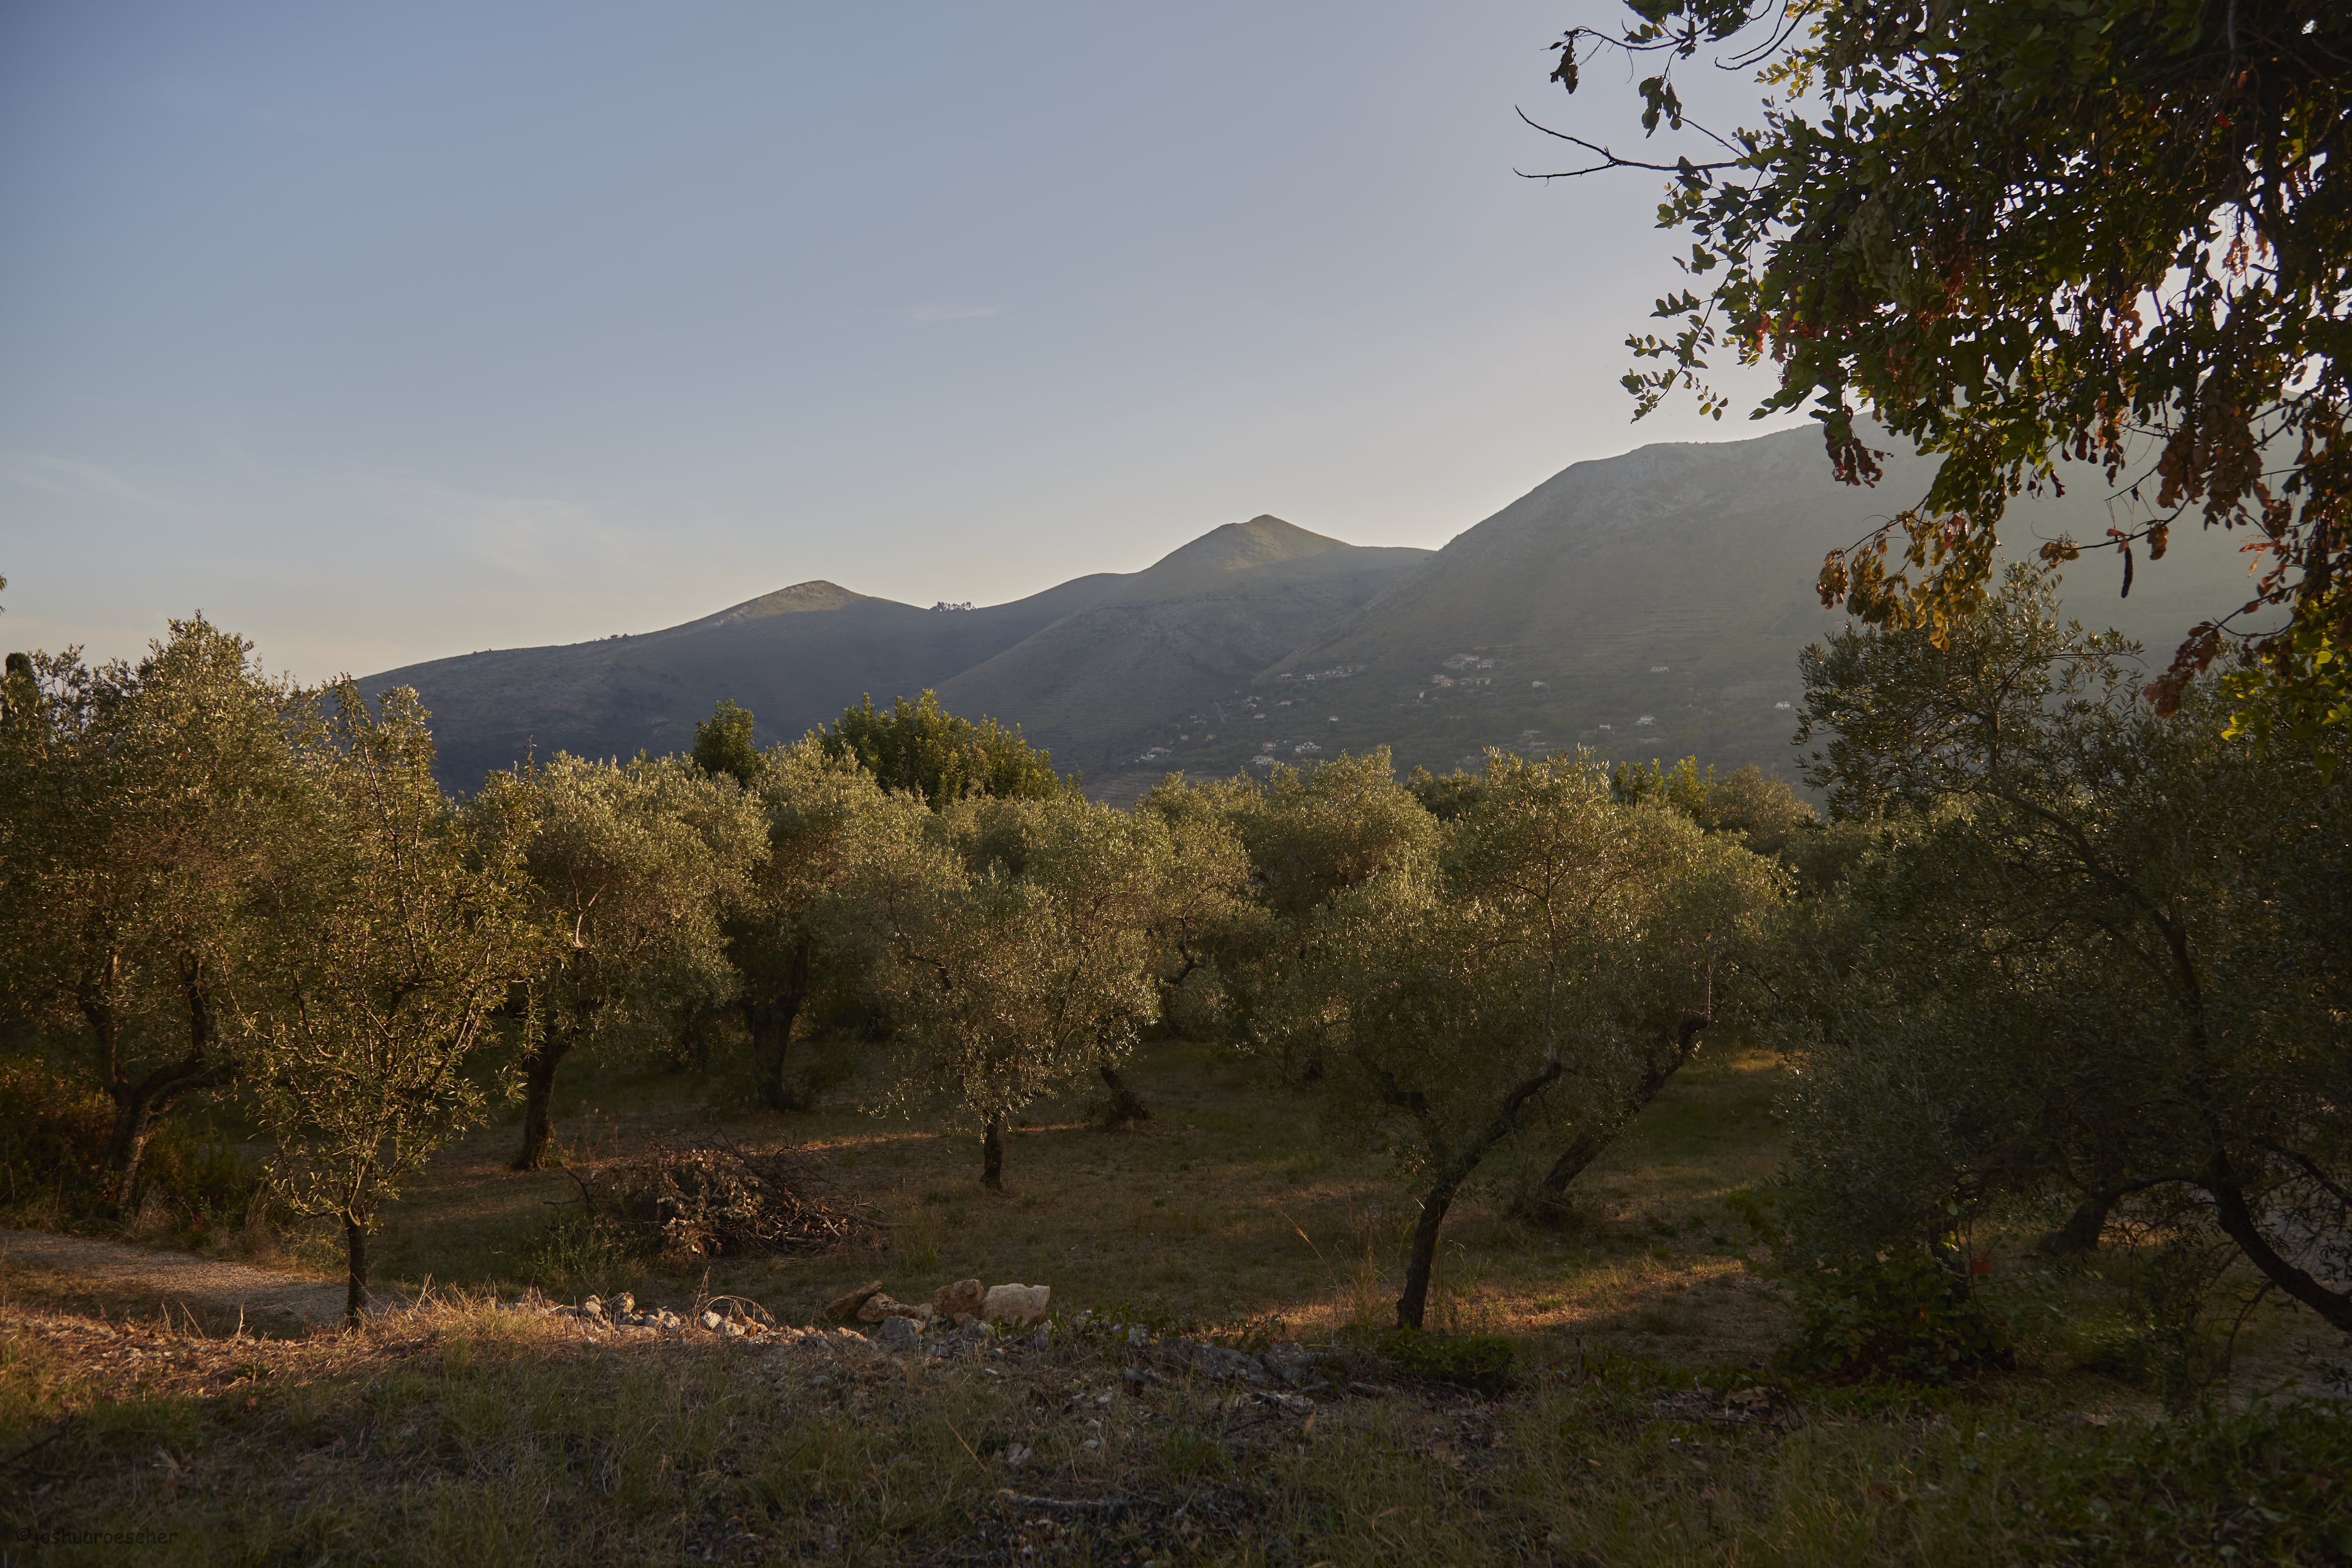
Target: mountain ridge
{"points": [[798, 655], [1652, 603]]}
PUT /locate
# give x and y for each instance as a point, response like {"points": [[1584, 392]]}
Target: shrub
{"points": [[578, 1253], [1901, 1319]]}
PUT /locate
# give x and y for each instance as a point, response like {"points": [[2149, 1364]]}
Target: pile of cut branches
{"points": [[719, 1200]]}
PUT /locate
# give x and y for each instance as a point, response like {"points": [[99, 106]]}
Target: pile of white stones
{"points": [[958, 1317], [968, 1308]]}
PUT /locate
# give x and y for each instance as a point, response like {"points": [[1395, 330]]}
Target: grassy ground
{"points": [[457, 1434], [1645, 1427], [1230, 1204]]}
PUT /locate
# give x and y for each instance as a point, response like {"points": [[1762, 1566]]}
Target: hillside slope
{"points": [[1166, 642], [1648, 604], [796, 657]]}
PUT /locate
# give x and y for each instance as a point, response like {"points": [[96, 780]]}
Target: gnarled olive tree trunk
{"points": [[1413, 1304], [539, 1098], [1551, 1194], [992, 1155], [140, 1102]]}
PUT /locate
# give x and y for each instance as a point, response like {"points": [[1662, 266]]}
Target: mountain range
{"points": [[1647, 605]]}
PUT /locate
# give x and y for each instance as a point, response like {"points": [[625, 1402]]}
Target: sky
{"points": [[384, 333]]}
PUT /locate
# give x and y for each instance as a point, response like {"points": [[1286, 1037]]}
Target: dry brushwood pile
{"points": [[719, 1201]]}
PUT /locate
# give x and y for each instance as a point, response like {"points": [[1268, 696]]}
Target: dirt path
{"points": [[206, 1288]]}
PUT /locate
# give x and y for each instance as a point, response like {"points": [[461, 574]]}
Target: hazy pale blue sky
{"points": [[386, 332]]}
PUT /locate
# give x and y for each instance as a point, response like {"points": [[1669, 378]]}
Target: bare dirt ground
{"points": [[211, 1291]]}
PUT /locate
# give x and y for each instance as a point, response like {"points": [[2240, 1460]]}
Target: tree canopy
{"points": [[402, 930], [1532, 974], [2100, 965], [941, 756], [143, 809], [724, 744], [2029, 232]]}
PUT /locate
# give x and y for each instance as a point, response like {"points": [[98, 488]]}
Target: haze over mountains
{"points": [[1648, 604]]}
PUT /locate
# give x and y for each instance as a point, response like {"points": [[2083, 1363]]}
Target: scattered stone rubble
{"points": [[963, 1318]]}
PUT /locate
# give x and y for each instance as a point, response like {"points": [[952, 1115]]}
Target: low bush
{"points": [[578, 1254], [2262, 1486], [1901, 1319]]}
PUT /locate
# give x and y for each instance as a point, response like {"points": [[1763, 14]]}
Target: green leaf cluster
{"points": [[2022, 233], [922, 747]]}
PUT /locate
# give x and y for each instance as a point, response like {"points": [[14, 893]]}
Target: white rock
{"points": [[1015, 1303]]}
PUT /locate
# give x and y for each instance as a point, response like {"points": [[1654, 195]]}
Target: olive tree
{"points": [[1311, 835], [633, 869], [939, 755], [1531, 979], [1209, 923], [824, 819], [2103, 964], [142, 806], [401, 933], [1014, 949]]}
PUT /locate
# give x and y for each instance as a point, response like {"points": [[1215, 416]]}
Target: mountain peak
{"points": [[1263, 540], [800, 598]]}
